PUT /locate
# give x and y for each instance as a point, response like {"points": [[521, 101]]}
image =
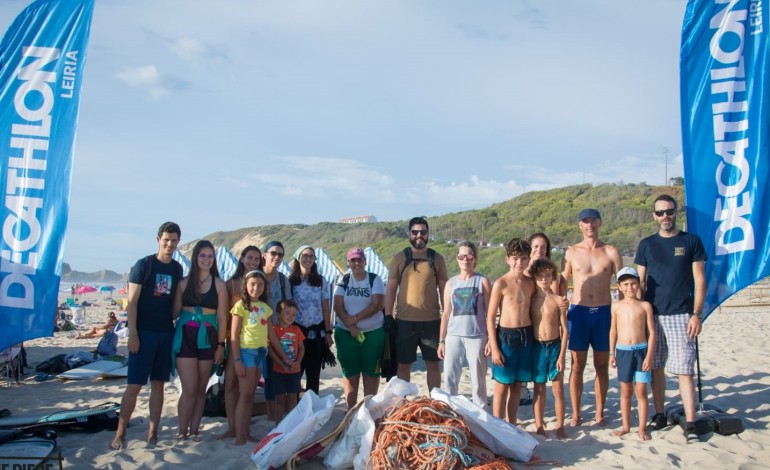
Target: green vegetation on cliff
{"points": [[625, 208]]}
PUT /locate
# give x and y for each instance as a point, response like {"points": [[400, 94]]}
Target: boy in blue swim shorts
{"points": [[549, 321], [632, 342], [510, 341]]}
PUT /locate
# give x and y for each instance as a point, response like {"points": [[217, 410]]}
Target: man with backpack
{"points": [[152, 284], [415, 287]]}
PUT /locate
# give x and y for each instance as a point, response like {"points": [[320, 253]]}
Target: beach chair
{"points": [[11, 364], [71, 302]]}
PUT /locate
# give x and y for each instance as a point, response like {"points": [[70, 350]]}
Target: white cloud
{"points": [[143, 75]]}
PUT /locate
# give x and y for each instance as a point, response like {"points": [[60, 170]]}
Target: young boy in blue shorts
{"points": [[549, 320], [510, 341], [632, 341]]}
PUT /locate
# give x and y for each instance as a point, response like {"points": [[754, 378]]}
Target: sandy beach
{"points": [[735, 375]]}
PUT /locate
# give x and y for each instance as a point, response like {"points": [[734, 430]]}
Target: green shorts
{"points": [[357, 358]]}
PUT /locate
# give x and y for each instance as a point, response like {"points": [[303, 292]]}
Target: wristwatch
{"points": [[221, 343], [697, 314]]}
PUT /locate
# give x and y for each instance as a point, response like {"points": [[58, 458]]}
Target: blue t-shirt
{"points": [[670, 282], [156, 300]]}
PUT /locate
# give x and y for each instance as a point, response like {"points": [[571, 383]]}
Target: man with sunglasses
{"points": [[671, 266], [415, 289]]}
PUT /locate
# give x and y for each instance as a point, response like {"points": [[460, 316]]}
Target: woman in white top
{"points": [[463, 331], [359, 335]]}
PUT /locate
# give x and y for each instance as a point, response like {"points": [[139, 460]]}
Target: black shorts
{"points": [[190, 347], [411, 334]]}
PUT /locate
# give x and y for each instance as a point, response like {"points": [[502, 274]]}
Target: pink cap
{"points": [[355, 253]]}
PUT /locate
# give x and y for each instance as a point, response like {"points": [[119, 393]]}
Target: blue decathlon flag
{"points": [[41, 70], [724, 100]]}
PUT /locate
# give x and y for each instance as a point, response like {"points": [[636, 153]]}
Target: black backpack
{"points": [[346, 280], [431, 259]]}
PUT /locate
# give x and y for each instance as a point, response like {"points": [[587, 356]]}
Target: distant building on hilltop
{"points": [[358, 219]]}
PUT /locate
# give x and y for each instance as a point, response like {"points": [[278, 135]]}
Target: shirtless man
{"points": [[591, 263]]}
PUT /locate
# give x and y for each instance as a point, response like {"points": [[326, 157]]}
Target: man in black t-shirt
{"points": [[152, 283], [671, 265]]}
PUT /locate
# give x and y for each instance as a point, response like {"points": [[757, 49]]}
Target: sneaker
{"points": [[657, 422], [690, 433]]}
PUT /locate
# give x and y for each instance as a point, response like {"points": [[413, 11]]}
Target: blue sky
{"points": [[233, 113]]}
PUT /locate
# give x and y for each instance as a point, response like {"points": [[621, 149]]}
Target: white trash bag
{"points": [[294, 432], [500, 436]]}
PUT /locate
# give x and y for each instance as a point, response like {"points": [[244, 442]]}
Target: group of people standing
{"points": [[261, 322]]}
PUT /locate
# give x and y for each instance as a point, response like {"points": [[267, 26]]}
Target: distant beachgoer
{"points": [[358, 333], [199, 341], [591, 264], [280, 289], [249, 339], [249, 260], [413, 297], [98, 331], [632, 343], [311, 293], [671, 267], [150, 330], [463, 330], [287, 349]]}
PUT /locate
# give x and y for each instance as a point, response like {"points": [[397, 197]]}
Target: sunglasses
{"points": [[419, 232], [668, 212], [276, 254], [469, 257]]}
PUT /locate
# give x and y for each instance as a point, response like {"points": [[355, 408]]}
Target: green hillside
{"points": [[625, 208]]}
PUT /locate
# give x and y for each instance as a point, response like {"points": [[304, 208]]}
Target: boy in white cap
{"points": [[632, 342]]}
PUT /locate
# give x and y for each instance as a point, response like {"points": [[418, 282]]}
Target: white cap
{"points": [[627, 271]]}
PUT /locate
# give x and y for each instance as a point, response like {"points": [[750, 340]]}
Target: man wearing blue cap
{"points": [[591, 263]]}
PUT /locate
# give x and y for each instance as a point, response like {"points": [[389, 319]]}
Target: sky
{"points": [[226, 114]]}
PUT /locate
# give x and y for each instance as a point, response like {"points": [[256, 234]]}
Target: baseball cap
{"points": [[355, 253], [592, 213], [626, 272]]}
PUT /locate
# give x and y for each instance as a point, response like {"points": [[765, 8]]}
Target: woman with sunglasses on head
{"points": [[311, 292], [359, 332], [463, 331], [250, 260], [201, 304]]}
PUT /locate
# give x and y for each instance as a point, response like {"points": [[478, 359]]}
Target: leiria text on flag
{"points": [[725, 128], [41, 68]]}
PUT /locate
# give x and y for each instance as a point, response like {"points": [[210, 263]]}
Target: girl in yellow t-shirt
{"points": [[249, 336]]}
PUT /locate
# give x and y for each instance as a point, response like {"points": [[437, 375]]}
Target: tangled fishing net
{"points": [[427, 434]]}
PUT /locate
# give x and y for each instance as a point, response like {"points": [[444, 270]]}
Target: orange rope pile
{"points": [[423, 434]]}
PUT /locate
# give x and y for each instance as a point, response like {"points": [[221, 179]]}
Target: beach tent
{"points": [[326, 266], [284, 268], [182, 259], [375, 265], [226, 262]]}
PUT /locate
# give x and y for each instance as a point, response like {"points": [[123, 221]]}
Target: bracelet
{"points": [[238, 359], [698, 315], [221, 343], [442, 342], [328, 332]]}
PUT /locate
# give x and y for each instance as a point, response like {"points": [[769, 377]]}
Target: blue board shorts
{"points": [[589, 326], [153, 359], [516, 344], [629, 360], [544, 357]]}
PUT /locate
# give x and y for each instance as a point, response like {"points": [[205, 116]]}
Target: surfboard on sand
{"points": [[89, 371], [25, 450], [91, 419], [120, 372]]}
